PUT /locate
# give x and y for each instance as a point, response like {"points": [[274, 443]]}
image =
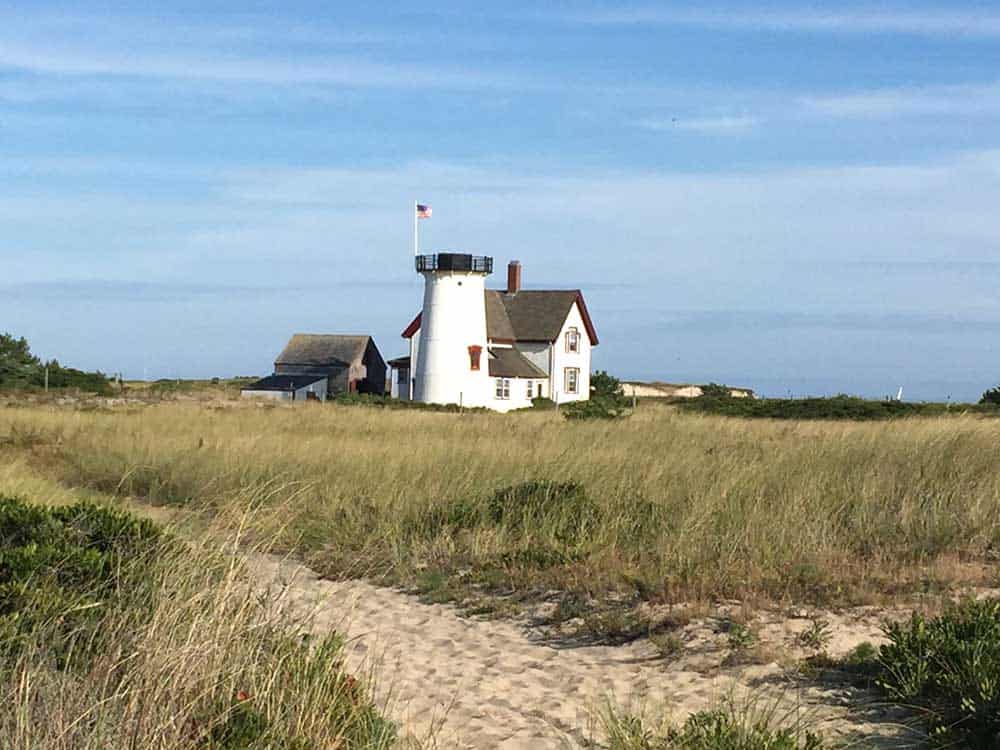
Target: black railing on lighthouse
{"points": [[455, 262]]}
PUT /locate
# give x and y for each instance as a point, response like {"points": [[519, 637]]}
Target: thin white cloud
{"points": [[927, 22], [340, 71], [965, 100], [719, 125], [971, 100], [236, 49]]}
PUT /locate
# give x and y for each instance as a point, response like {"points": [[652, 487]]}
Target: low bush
{"points": [[387, 402], [949, 667], [840, 407], [596, 408], [69, 377], [607, 401], [113, 634], [57, 568], [560, 510], [991, 396], [715, 390]]}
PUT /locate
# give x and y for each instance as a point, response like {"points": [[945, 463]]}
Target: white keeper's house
{"points": [[475, 346]]}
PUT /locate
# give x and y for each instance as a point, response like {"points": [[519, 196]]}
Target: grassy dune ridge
{"points": [[673, 505]]}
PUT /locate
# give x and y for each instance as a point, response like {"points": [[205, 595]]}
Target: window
{"points": [[571, 379], [503, 388], [531, 390], [572, 340], [475, 353]]}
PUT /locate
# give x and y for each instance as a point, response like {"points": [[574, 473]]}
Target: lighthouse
{"points": [[453, 361]]}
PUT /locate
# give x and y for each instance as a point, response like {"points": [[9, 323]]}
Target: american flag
{"points": [[423, 212]]}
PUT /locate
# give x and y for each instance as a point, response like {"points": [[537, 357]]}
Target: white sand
{"points": [[471, 683]]}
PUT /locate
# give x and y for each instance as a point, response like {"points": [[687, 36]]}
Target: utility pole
{"points": [[46, 378]]}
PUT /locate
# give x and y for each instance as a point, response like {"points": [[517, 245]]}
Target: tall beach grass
{"points": [[677, 505]]}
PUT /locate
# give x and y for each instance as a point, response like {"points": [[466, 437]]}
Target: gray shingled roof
{"points": [[283, 382], [529, 315], [322, 349], [510, 363]]}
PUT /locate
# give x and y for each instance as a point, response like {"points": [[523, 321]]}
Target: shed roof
{"points": [[527, 315], [283, 382], [323, 349], [510, 363]]}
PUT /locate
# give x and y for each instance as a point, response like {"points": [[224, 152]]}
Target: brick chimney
{"points": [[514, 277]]}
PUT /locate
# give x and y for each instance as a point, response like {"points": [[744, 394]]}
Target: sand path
{"points": [[471, 683]]}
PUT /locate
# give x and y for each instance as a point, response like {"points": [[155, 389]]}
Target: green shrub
{"points": [[949, 667], [596, 408], [386, 402], [60, 565], [69, 377], [991, 397], [841, 407], [541, 403], [561, 510], [606, 400], [714, 390], [603, 385]]}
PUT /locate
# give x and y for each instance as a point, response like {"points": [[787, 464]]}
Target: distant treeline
{"points": [[22, 370], [833, 407]]}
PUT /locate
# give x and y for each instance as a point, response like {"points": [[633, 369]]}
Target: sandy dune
{"points": [[471, 683]]}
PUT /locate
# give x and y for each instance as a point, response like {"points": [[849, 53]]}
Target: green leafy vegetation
{"points": [[716, 390], [816, 636], [20, 369], [739, 636], [991, 396], [540, 403], [606, 400], [725, 728], [57, 568], [387, 402], [113, 634], [948, 667], [840, 407]]}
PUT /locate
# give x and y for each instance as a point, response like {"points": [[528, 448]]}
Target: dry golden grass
{"points": [[680, 506]]}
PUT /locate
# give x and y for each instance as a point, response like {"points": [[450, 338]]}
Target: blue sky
{"points": [[800, 198]]}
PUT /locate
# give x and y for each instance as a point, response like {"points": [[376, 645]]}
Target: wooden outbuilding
{"points": [[333, 364]]}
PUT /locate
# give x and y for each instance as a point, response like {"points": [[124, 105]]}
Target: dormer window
{"points": [[572, 340], [475, 354]]}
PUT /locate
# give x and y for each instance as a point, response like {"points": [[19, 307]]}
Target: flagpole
{"points": [[416, 247]]}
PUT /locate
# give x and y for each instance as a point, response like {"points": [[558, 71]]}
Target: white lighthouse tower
{"points": [[452, 360]]}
